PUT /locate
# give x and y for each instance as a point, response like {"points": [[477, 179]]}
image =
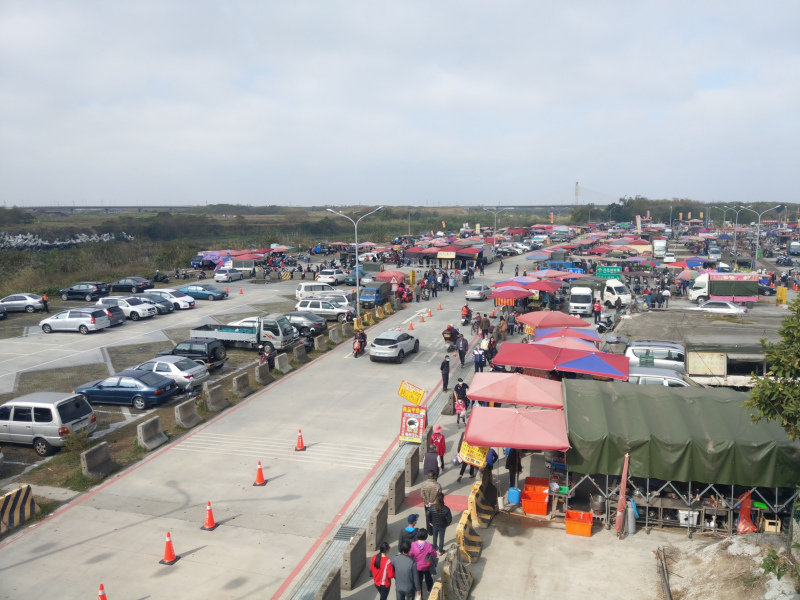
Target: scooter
{"points": [[426, 294], [466, 319], [201, 275], [161, 278], [605, 324]]}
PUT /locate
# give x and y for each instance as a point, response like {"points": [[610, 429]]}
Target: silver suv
{"points": [[44, 418], [133, 307], [324, 307], [658, 354], [82, 320]]}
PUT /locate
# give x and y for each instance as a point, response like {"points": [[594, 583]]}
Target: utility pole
{"points": [[576, 193]]}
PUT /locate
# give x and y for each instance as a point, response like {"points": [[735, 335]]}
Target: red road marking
{"points": [[456, 503]]}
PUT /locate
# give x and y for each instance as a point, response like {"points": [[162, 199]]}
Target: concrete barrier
{"points": [[215, 399], [319, 343], [274, 276], [412, 467], [398, 304], [378, 523], [347, 330], [282, 363], [397, 492], [449, 407], [96, 462], [375, 315], [264, 375], [149, 434], [355, 559], [186, 415], [427, 438], [300, 354], [333, 334], [241, 385], [332, 587], [16, 507]]}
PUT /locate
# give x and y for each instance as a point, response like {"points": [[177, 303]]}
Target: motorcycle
{"points": [[466, 319], [160, 278], [201, 275], [426, 294], [784, 261], [605, 324]]}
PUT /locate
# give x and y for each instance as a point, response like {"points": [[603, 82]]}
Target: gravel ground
{"points": [[124, 357]]}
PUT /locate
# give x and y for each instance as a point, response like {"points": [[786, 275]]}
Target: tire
{"points": [[372, 359], [29, 309], [211, 297], [304, 331], [401, 356], [42, 447], [135, 290], [416, 346], [268, 347], [134, 315], [83, 330], [139, 403], [220, 352], [46, 328], [176, 305], [702, 300], [88, 297], [64, 297]]}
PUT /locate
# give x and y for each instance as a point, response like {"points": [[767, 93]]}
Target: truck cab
{"points": [[794, 248], [273, 330], [375, 295], [614, 289], [580, 300]]}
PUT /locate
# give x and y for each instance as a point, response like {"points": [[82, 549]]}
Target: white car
{"points": [[523, 246], [134, 308], [477, 292], [179, 300], [226, 275], [669, 257], [719, 307], [332, 276], [184, 371], [367, 256], [393, 346]]}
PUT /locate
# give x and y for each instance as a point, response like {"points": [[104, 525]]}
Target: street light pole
{"points": [[358, 275], [495, 212], [736, 224], [758, 231]]}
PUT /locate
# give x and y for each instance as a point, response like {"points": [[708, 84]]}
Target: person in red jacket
{"points": [[382, 571], [437, 439]]}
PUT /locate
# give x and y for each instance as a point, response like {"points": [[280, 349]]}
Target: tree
{"points": [[777, 396]]}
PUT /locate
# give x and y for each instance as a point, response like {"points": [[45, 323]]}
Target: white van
{"points": [[580, 300], [311, 288], [614, 289]]}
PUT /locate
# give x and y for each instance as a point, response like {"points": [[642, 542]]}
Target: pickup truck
{"points": [[376, 294], [274, 331]]}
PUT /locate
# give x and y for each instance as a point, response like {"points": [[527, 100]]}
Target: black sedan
{"points": [[134, 285], [765, 290], [162, 305], [85, 290], [139, 389], [307, 323]]}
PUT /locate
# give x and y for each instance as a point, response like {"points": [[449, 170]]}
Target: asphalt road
{"points": [[349, 412]]}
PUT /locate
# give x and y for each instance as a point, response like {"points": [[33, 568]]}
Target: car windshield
{"points": [[475, 288], [186, 365], [335, 304], [581, 298], [326, 272], [210, 288], [151, 379], [384, 341], [620, 290], [134, 301], [74, 409]]}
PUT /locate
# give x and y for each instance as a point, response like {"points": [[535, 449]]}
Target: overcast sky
{"points": [[184, 102]]}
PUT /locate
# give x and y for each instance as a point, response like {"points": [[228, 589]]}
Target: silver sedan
{"points": [[184, 371], [719, 307], [477, 292]]}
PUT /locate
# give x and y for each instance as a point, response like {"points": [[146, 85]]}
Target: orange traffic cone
{"points": [[300, 445], [101, 594], [241, 290], [493, 315], [226, 290], [169, 553], [260, 481], [411, 327], [430, 314], [422, 319], [439, 307], [210, 524]]}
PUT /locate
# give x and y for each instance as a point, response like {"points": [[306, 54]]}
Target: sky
{"points": [[397, 103]]}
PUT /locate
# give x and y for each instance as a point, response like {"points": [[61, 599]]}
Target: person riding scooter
{"points": [[359, 344], [466, 315]]}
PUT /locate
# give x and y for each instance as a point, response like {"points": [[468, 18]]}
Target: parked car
{"points": [[343, 298], [162, 305], [133, 285], [765, 290], [44, 419], [393, 345], [133, 307], [85, 290], [208, 351], [665, 355], [82, 320], [28, 303], [180, 301], [139, 389], [332, 276], [653, 376], [227, 275], [477, 292], [186, 372], [719, 307], [365, 278], [324, 307], [3, 313], [116, 316], [669, 257], [204, 291], [307, 323]]}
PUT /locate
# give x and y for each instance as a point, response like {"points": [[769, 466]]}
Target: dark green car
{"points": [[203, 291]]}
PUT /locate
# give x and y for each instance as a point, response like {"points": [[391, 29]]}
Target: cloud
{"points": [[453, 102]]}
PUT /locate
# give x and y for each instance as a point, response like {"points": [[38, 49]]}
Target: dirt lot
{"points": [[125, 357]]}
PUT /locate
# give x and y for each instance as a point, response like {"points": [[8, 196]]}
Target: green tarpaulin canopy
{"points": [[677, 434]]}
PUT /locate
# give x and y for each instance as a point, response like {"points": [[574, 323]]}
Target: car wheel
{"points": [[46, 328], [83, 329], [42, 447], [401, 356], [134, 315], [176, 305], [304, 331], [135, 290], [220, 353], [211, 297], [416, 346], [88, 297], [267, 346], [29, 309], [372, 359], [138, 403], [64, 297], [341, 318]]}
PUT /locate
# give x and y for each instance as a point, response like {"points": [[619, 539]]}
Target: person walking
{"points": [[438, 441], [597, 310], [382, 571], [461, 411], [445, 369], [429, 490], [417, 291], [512, 322], [501, 266], [430, 462], [516, 271], [406, 577], [618, 305], [463, 464], [451, 283], [441, 518], [478, 359], [461, 389], [45, 301], [502, 330], [434, 287], [423, 553], [514, 465], [462, 345], [409, 532], [485, 324]]}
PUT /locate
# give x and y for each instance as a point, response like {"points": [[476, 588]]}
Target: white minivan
{"points": [[311, 288]]}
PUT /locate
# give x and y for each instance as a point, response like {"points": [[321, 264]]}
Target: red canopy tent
{"points": [[390, 274], [543, 286], [514, 388], [510, 293], [558, 332], [547, 358], [527, 356], [546, 318], [512, 428], [568, 343]]}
